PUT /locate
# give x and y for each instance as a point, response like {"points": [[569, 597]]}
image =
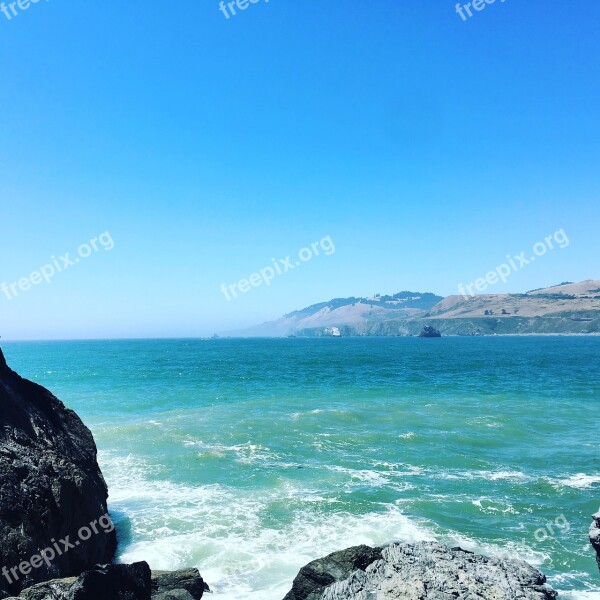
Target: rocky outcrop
{"points": [[51, 488], [121, 582], [595, 536], [178, 585], [317, 576], [421, 571], [430, 332], [117, 582], [54, 525]]}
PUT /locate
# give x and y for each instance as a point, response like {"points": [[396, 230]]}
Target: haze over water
{"points": [[249, 458]]}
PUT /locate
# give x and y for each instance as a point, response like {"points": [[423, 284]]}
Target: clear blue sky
{"points": [[427, 147]]}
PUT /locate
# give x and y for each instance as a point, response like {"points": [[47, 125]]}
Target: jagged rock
{"points": [[174, 595], [103, 582], [122, 582], [50, 590], [430, 332], [117, 582], [421, 571], [314, 578], [178, 585], [595, 536], [51, 487]]}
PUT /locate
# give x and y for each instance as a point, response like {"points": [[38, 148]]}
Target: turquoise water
{"points": [[249, 458]]}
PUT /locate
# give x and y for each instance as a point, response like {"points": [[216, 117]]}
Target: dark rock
{"points": [[117, 582], [421, 571], [103, 582], [174, 595], [313, 579], [56, 589], [595, 536], [189, 581], [122, 582], [51, 487], [430, 332]]}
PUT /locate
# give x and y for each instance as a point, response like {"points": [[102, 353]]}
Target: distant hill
{"points": [[346, 312], [568, 308]]}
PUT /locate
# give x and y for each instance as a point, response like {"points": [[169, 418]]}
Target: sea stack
{"points": [[430, 332], [51, 488]]}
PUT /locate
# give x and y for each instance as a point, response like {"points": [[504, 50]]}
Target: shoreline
{"points": [[285, 337]]}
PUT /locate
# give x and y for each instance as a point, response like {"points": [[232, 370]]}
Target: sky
{"points": [[194, 149]]}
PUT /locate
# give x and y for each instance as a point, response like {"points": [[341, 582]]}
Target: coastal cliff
{"points": [[565, 309]]}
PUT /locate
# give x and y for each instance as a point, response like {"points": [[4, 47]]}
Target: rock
{"points": [[595, 536], [51, 488], [122, 582], [420, 571], [174, 595], [313, 579], [117, 582], [103, 582], [178, 585], [56, 589], [430, 332]]}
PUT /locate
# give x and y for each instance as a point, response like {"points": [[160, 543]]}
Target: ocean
{"points": [[249, 458]]}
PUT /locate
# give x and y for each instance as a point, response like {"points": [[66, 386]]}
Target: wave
{"points": [[578, 481], [249, 544], [227, 533], [245, 453]]}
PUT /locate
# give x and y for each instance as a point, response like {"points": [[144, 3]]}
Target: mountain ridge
{"points": [[566, 308]]}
